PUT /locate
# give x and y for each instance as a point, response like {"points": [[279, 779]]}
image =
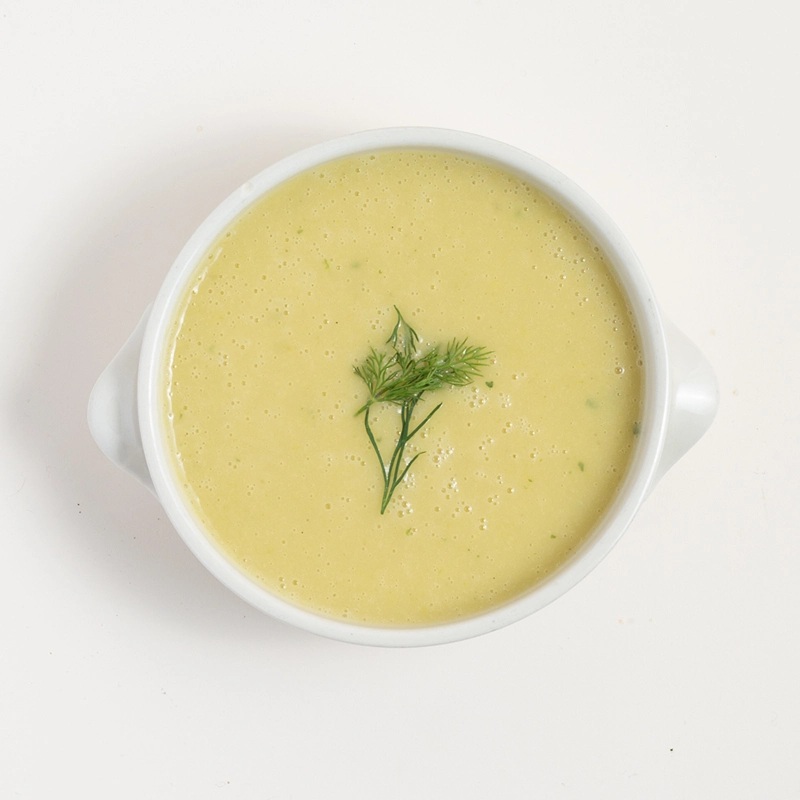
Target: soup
{"points": [[261, 396]]}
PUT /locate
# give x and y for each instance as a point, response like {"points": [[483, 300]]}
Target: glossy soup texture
{"points": [[260, 394]]}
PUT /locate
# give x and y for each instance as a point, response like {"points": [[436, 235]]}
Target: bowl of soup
{"points": [[403, 388]]}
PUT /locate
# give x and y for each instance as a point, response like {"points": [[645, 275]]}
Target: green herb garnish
{"points": [[402, 378]]}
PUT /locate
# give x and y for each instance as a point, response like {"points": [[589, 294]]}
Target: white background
{"points": [[127, 671]]}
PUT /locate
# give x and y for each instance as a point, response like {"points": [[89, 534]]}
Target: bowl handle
{"points": [[693, 399], [114, 411]]}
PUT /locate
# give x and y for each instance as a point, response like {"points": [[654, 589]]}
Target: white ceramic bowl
{"points": [[680, 396]]}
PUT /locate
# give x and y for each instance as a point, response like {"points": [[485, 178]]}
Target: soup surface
{"points": [[261, 394]]}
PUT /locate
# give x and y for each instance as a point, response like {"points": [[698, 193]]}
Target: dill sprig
{"points": [[402, 378]]}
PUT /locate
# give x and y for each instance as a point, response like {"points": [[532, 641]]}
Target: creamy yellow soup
{"points": [[260, 391]]}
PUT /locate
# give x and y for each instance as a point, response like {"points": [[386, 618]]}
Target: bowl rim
{"points": [[630, 275]]}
